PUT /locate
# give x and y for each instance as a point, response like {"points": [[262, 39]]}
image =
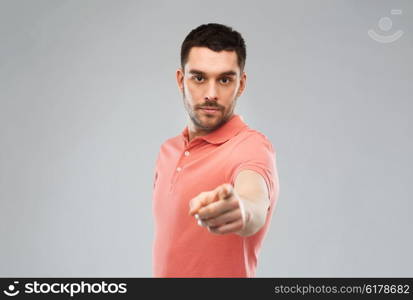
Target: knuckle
{"points": [[206, 211], [211, 223], [213, 230], [234, 203]]}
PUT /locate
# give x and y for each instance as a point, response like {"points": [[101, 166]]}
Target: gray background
{"points": [[88, 94]]}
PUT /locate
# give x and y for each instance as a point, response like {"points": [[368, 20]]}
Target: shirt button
{"points": [[186, 153], [179, 169]]}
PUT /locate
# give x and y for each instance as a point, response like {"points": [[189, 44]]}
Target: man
{"points": [[215, 184]]}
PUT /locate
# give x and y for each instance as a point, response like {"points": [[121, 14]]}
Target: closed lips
{"points": [[210, 108]]}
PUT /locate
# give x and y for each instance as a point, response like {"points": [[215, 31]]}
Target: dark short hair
{"points": [[216, 37]]}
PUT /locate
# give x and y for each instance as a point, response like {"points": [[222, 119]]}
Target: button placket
{"points": [[179, 169]]}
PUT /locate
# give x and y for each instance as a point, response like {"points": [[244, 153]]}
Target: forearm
{"points": [[255, 213], [252, 191]]}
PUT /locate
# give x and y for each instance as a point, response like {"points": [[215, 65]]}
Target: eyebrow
{"points": [[226, 73]]}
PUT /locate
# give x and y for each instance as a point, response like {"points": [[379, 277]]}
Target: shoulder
{"points": [[168, 146], [175, 141], [254, 139], [251, 147]]}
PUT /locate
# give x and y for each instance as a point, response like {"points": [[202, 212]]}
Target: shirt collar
{"points": [[225, 132]]}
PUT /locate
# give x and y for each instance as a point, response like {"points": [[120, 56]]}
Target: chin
{"points": [[213, 122]]}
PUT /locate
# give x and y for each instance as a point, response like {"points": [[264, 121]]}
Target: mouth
{"points": [[210, 110]]}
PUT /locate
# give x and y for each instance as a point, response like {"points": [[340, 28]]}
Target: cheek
{"points": [[235, 89], [193, 92], [229, 93]]}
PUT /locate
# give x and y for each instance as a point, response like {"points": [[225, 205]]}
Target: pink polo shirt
{"points": [[184, 169]]}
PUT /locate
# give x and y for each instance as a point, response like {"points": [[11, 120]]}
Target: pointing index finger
{"points": [[225, 191], [201, 200]]}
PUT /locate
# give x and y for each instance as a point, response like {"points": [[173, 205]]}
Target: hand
{"points": [[221, 210]]}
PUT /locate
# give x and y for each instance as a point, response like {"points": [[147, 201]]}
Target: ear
{"points": [[180, 79], [243, 83]]}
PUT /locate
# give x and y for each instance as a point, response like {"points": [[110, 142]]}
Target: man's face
{"points": [[210, 80]]}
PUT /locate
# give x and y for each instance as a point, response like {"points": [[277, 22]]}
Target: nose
{"points": [[211, 93]]}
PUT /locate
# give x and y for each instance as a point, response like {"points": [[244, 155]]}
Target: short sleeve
{"points": [[155, 178], [155, 172], [257, 154]]}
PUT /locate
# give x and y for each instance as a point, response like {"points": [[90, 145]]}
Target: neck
{"points": [[194, 131]]}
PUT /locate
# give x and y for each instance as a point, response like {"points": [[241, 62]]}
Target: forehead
{"points": [[211, 62]]}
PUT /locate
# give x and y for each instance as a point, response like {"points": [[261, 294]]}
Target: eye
{"points": [[198, 78], [225, 80]]}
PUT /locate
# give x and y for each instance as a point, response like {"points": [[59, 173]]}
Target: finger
{"points": [[196, 203], [201, 200], [227, 217], [217, 208], [201, 223], [227, 228], [225, 191]]}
